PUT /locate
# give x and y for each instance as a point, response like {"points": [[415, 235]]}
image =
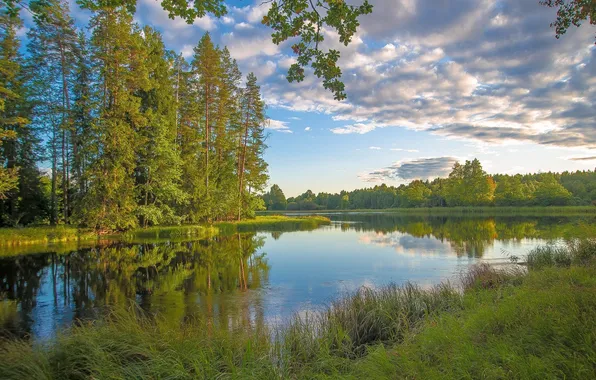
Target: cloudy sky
{"points": [[429, 82]]}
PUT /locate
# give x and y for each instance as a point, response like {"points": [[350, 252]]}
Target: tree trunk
{"points": [[207, 144], [241, 165], [65, 124], [53, 197]]}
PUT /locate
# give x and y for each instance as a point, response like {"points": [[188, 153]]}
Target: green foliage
{"points": [[549, 192], [291, 19], [571, 12], [467, 186], [275, 199], [20, 150], [135, 135], [305, 20]]}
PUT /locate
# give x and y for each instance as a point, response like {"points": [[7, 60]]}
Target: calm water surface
{"points": [[260, 277]]}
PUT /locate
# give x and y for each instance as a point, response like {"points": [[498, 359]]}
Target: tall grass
{"points": [[486, 276], [369, 316], [506, 323], [573, 252]]}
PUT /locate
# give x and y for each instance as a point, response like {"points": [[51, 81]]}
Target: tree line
{"points": [[128, 132], [467, 185]]}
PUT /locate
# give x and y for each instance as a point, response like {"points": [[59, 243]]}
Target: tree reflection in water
{"points": [[176, 280]]}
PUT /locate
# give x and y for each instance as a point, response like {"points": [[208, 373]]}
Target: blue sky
{"points": [[429, 82]]}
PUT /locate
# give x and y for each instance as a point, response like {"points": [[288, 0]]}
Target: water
{"points": [[262, 277]]}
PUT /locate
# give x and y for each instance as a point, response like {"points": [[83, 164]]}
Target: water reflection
{"points": [[466, 236], [230, 280], [177, 280]]}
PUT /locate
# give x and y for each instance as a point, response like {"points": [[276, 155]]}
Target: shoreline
{"points": [[467, 211], [70, 237], [447, 331]]}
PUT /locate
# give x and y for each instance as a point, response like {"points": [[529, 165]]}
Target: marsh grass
{"points": [[572, 252], [500, 323], [486, 276]]}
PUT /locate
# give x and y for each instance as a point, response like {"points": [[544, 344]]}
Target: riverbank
{"points": [[507, 323], [455, 211], [63, 238]]}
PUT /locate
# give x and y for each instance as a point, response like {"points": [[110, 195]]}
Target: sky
{"points": [[429, 83]]}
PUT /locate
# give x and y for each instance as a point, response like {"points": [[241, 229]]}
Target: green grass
{"points": [[506, 324], [44, 234], [485, 210], [274, 223], [30, 240]]}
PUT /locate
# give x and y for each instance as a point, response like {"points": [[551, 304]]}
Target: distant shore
{"points": [[484, 210]]}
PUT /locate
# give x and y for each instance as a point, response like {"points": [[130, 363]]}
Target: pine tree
{"points": [[84, 104], [207, 67], [158, 171], [23, 203], [252, 169], [9, 67], [228, 126], [189, 139], [110, 202], [52, 53]]}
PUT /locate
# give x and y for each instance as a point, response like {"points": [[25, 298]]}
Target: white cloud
{"points": [[354, 128], [407, 170], [375, 148], [187, 51], [307, 129], [227, 20], [257, 11], [242, 47], [206, 22], [478, 70], [262, 69], [278, 126], [404, 150], [243, 25]]}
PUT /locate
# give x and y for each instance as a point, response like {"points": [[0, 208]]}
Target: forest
{"points": [[467, 185], [104, 127]]}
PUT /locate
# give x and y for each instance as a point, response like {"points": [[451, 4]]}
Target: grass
{"points": [[28, 240], [480, 210], [500, 324], [274, 223], [43, 235], [574, 252]]}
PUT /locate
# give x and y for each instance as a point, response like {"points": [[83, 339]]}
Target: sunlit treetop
{"points": [[299, 20]]}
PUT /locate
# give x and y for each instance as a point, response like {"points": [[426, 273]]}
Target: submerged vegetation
{"points": [[496, 328]]}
